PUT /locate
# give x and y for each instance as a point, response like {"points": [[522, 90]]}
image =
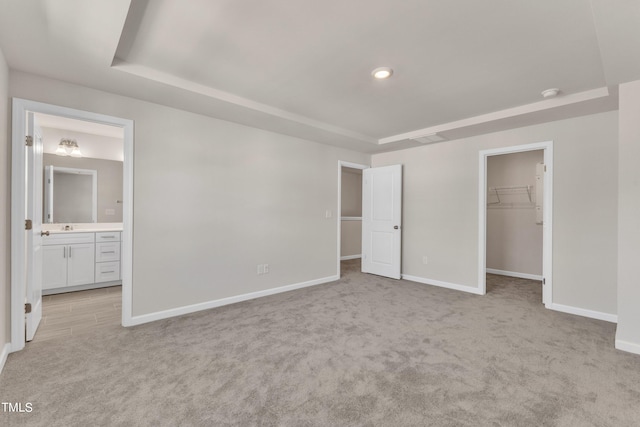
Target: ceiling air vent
{"points": [[429, 139]]}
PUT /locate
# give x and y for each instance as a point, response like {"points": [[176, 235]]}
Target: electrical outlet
{"points": [[327, 214], [266, 268], [424, 259], [260, 269]]}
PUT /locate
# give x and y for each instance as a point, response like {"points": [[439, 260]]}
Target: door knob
{"points": [[395, 227], [44, 233]]}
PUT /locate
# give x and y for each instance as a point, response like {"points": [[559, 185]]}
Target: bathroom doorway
{"points": [[83, 194], [62, 254]]}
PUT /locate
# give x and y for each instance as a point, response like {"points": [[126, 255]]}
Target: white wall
{"points": [[628, 332], [351, 196], [514, 240], [440, 217], [351, 238], [212, 199], [5, 206]]}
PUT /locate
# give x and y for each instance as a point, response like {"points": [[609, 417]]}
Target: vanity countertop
{"points": [[84, 230]]}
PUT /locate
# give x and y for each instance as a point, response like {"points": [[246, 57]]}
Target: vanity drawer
{"points": [[107, 271], [108, 236], [69, 238], [108, 251]]}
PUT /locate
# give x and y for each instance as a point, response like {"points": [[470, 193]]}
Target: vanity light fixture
{"points": [[68, 147], [382, 73]]}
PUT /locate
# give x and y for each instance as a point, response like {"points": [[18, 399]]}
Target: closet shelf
{"points": [[351, 218], [518, 196]]}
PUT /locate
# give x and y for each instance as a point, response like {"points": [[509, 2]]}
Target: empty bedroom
{"points": [[297, 213]]}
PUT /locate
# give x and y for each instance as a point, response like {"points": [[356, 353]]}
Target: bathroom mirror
{"points": [[70, 195]]}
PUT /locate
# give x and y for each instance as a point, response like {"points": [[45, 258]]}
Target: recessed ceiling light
{"points": [[550, 93], [382, 73]]}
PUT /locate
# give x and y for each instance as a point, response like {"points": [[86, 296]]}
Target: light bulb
{"points": [[382, 73]]}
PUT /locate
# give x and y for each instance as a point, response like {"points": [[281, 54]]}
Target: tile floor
{"points": [[74, 313]]}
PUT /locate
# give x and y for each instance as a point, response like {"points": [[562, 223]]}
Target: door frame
{"points": [[547, 231], [341, 164], [20, 107]]}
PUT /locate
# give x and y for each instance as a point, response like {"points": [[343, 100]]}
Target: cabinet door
{"points": [[81, 264], [54, 266]]}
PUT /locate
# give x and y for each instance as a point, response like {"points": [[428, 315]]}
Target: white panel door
{"points": [[381, 220], [33, 294]]}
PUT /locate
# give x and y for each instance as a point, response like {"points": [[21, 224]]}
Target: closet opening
{"points": [[349, 215], [516, 221]]}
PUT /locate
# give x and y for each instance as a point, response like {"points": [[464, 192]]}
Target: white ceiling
{"points": [[303, 67]]}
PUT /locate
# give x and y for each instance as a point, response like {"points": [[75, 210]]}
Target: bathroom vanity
{"points": [[81, 224], [80, 259]]}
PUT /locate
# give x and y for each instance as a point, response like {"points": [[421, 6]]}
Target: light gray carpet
{"points": [[362, 351]]}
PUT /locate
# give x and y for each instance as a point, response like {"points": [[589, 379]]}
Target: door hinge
{"points": [[27, 308], [28, 224], [545, 168], [544, 281], [29, 141]]}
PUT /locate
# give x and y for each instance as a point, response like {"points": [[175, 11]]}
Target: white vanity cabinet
{"points": [[107, 256], [80, 260], [68, 260]]}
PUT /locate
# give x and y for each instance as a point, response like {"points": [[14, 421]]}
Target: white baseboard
{"points": [[583, 312], [514, 274], [441, 284], [627, 346], [3, 356], [145, 318], [346, 257]]}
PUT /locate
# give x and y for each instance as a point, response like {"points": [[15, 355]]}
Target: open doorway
{"points": [[66, 255], [515, 214], [380, 221], [83, 192], [349, 215], [515, 198]]}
